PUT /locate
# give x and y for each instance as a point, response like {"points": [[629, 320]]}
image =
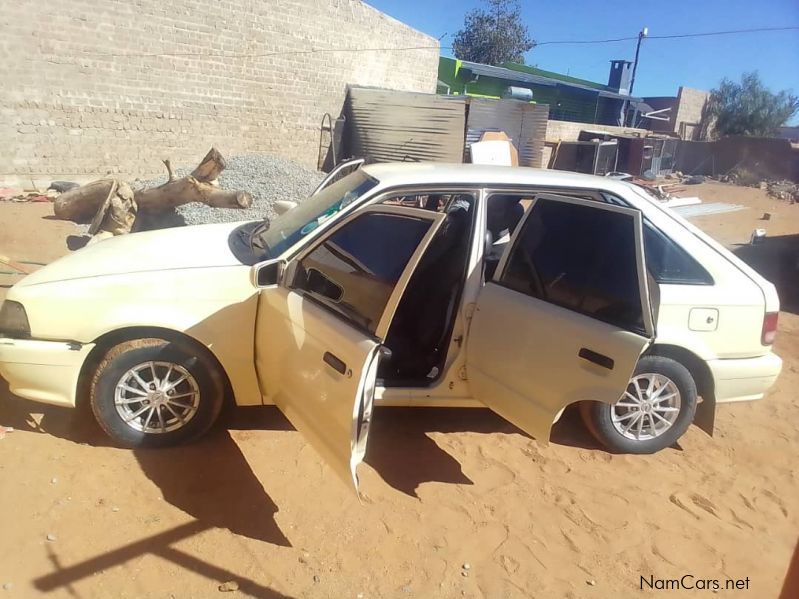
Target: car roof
{"points": [[391, 174]]}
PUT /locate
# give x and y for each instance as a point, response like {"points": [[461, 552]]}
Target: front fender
{"points": [[216, 306]]}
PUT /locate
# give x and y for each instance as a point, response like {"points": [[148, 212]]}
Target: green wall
{"points": [[565, 103]]}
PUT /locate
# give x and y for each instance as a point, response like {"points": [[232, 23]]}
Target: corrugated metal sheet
{"points": [[385, 125], [525, 124], [706, 209], [534, 133]]}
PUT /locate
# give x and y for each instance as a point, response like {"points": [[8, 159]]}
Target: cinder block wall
{"points": [[690, 104], [114, 86]]}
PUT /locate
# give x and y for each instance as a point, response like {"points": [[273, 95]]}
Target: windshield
{"points": [[288, 228]]}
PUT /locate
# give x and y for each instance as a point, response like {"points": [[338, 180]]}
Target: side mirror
{"points": [[283, 206], [267, 274]]}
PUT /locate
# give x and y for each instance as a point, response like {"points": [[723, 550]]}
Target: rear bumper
{"points": [[746, 379], [45, 371]]}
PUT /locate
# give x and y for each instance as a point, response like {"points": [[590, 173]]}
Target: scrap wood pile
{"points": [[112, 207], [663, 192]]}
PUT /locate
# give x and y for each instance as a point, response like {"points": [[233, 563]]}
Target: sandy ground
{"points": [[252, 503]]}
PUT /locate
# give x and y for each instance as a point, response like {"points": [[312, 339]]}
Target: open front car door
{"points": [[319, 331], [566, 316]]}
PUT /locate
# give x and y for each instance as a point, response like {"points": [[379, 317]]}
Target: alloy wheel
{"points": [[157, 397], [648, 408]]}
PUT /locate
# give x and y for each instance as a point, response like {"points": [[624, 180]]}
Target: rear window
{"points": [[669, 263]]}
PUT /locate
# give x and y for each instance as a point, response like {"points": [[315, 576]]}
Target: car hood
{"points": [[166, 249]]}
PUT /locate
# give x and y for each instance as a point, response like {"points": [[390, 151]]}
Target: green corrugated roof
{"points": [[565, 78]]}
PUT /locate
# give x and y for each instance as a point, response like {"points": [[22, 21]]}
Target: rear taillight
{"points": [[769, 328]]}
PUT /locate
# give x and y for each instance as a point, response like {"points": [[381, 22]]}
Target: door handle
{"points": [[335, 363], [599, 359]]}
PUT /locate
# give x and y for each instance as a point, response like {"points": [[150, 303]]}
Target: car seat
{"points": [[424, 316]]}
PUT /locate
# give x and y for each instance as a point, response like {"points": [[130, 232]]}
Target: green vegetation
{"points": [[749, 108], [493, 36]]}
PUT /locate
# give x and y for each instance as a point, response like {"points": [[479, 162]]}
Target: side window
{"points": [[434, 202], [354, 270], [669, 263], [580, 258]]}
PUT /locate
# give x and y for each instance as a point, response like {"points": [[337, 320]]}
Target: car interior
{"points": [[503, 214], [422, 326], [353, 272]]}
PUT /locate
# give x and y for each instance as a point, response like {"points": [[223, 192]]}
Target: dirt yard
{"points": [[458, 503]]}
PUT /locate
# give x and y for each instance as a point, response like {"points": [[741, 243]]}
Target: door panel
{"points": [[523, 358], [318, 334], [566, 316], [317, 369]]}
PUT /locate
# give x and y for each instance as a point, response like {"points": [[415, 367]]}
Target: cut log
{"points": [[93, 200], [99, 216], [210, 167], [188, 189], [81, 204], [118, 212]]}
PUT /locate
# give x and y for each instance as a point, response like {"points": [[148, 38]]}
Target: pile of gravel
{"points": [[267, 178]]}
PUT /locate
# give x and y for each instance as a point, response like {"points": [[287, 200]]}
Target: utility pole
{"points": [[641, 35]]}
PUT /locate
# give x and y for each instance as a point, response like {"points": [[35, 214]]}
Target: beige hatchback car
{"points": [[518, 289]]}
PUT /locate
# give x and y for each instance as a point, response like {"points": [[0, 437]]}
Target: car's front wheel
{"points": [[655, 410], [155, 393]]}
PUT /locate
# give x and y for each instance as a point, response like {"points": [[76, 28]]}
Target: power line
{"points": [[607, 41], [753, 30], [254, 55], [668, 37], [412, 48]]}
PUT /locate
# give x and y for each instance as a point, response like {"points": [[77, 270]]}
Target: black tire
{"points": [[598, 416], [204, 378]]}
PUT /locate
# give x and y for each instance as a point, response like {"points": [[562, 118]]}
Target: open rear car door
{"points": [[320, 328], [566, 316]]}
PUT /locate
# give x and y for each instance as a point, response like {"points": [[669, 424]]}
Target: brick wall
{"points": [[686, 115], [114, 86], [690, 104]]}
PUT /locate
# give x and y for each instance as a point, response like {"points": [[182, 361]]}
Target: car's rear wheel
{"points": [[655, 410], [155, 393]]}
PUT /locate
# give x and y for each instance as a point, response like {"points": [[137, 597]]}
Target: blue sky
{"points": [[664, 65]]}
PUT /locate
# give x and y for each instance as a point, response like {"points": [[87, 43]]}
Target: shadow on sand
{"points": [[209, 480]]}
